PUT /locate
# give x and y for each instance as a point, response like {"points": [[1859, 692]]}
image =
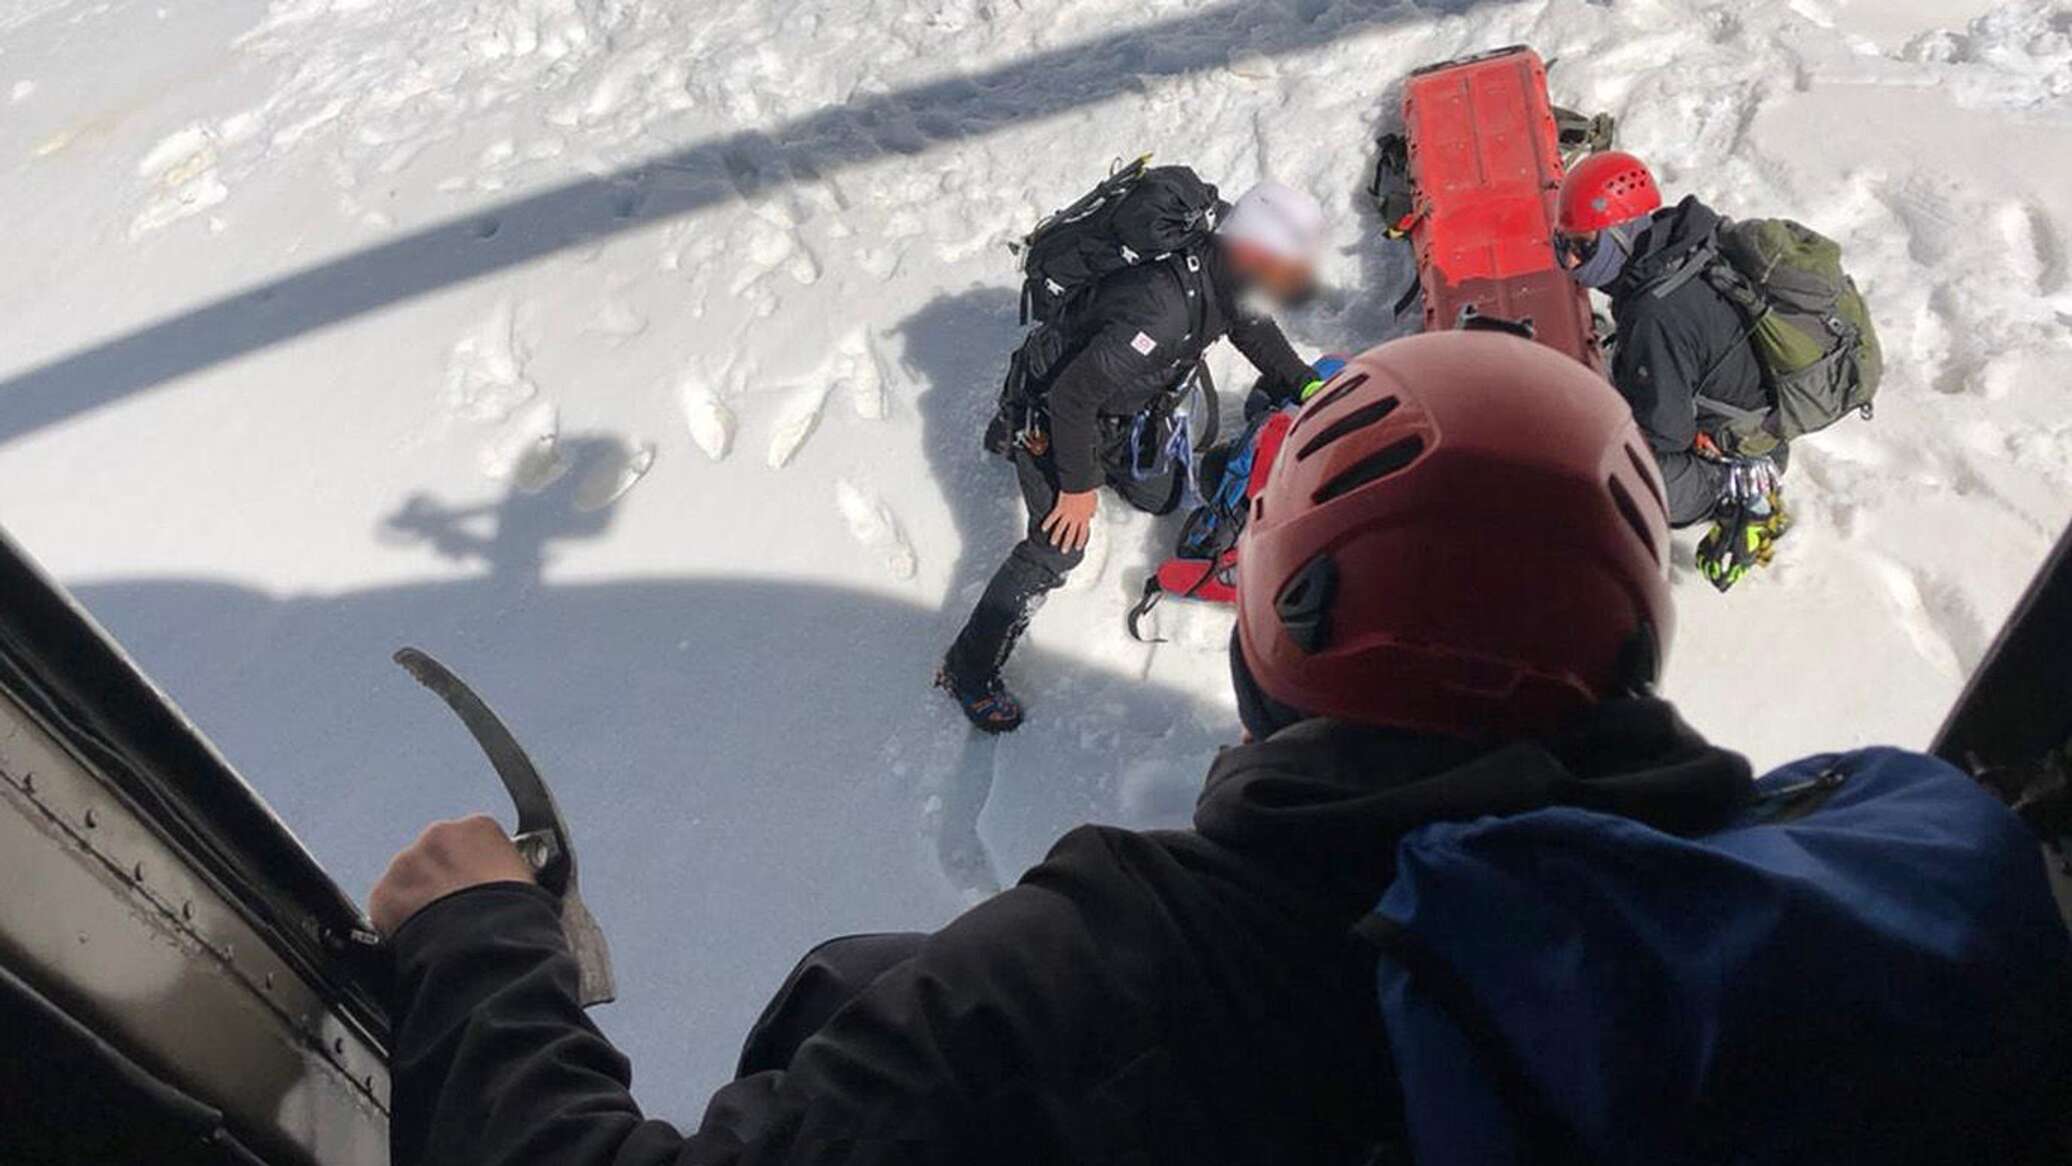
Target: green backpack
{"points": [[1812, 332]]}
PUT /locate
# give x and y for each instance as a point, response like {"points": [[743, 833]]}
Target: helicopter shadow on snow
{"points": [[751, 765]]}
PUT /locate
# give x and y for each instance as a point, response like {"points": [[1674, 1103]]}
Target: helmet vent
{"points": [[1352, 422], [1331, 398], [1630, 511], [1642, 466], [1304, 605], [1389, 459]]}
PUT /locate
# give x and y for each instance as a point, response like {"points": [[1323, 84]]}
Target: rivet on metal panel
{"points": [[187, 910], [91, 819], [269, 981], [137, 872], [28, 783], [338, 1045]]}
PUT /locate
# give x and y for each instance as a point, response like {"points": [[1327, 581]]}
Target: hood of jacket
{"points": [[1675, 233], [1225, 285], [1325, 803]]}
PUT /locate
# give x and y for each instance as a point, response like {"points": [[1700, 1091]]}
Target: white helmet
{"points": [[1279, 220]]}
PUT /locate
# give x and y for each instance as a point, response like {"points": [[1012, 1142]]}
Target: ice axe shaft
{"points": [[542, 834]]}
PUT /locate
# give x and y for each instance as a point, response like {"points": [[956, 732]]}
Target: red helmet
{"points": [[1464, 534], [1605, 190]]}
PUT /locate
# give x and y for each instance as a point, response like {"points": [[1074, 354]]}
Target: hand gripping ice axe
{"points": [[542, 835]]}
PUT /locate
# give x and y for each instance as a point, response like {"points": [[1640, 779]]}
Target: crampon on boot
{"points": [[989, 707], [1741, 542]]}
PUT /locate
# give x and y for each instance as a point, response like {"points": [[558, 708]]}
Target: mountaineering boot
{"points": [[1743, 540], [988, 706], [971, 668]]}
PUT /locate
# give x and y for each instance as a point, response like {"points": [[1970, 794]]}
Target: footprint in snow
{"points": [[1920, 623], [876, 528], [861, 376], [766, 248], [486, 371], [617, 321], [1932, 216], [2034, 246]]}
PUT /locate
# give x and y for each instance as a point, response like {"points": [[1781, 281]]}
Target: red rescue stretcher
{"points": [[1483, 159]]}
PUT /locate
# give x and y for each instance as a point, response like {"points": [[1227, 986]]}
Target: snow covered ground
{"points": [[631, 357]]}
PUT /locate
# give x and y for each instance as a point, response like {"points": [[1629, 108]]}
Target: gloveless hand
{"points": [[1071, 521], [447, 857]]}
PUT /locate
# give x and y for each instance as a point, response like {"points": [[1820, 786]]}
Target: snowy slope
{"points": [[631, 356]]}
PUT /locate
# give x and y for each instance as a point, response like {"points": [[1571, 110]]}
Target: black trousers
{"points": [[1035, 568], [1695, 483]]}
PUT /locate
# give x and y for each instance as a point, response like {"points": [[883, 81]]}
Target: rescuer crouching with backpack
{"points": [[1128, 287], [1733, 339]]}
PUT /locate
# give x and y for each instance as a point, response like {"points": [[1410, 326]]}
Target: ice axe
{"points": [[542, 834]]}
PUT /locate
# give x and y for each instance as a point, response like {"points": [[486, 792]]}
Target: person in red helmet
{"points": [[1425, 457], [1453, 601], [1683, 355]]}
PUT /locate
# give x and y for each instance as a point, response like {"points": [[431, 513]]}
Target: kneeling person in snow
{"points": [[1448, 615], [1096, 391], [1681, 345]]}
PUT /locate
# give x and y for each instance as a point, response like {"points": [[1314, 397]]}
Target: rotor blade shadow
{"points": [[742, 165]]}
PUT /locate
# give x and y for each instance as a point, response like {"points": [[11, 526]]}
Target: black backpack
{"points": [[1139, 214]]}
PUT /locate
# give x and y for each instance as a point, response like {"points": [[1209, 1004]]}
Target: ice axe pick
{"points": [[542, 834]]}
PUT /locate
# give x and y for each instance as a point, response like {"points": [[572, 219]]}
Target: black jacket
{"points": [[1667, 345], [1187, 996], [1134, 340]]}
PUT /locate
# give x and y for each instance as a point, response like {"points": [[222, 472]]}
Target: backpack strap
{"points": [[1188, 268], [1694, 264], [1194, 281], [1700, 395], [1538, 1126], [1707, 261], [1719, 408]]}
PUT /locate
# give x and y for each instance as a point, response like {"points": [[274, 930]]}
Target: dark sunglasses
{"points": [[1576, 250]]}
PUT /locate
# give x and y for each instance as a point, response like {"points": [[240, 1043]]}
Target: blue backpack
{"points": [[1864, 965]]}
